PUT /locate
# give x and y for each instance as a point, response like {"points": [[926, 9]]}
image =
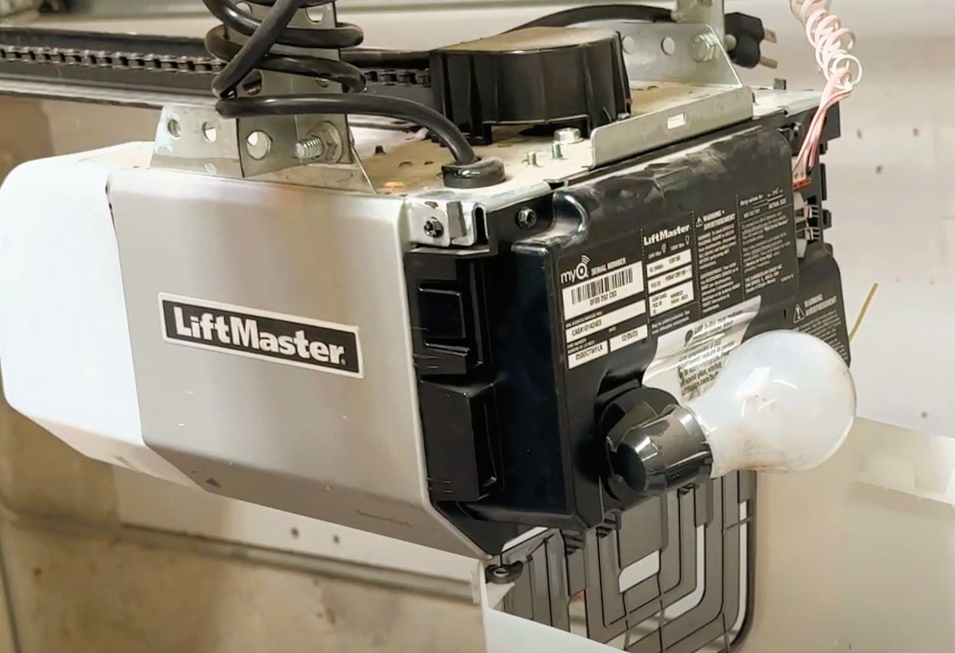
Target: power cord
{"points": [[257, 53], [833, 44]]}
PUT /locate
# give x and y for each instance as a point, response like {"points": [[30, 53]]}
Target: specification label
{"points": [[678, 275], [768, 240], [670, 263]]}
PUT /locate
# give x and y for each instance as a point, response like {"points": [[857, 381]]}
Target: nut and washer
{"points": [[567, 136], [323, 144], [332, 139], [704, 48]]}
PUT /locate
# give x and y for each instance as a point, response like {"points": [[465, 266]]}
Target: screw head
{"points": [[433, 228], [526, 218], [504, 574]]}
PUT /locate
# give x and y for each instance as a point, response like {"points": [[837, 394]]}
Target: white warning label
{"points": [[689, 359]]}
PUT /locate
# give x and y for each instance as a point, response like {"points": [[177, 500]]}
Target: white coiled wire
{"points": [[833, 44]]}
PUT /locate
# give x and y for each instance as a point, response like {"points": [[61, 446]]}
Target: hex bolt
{"points": [[556, 151], [526, 218], [433, 228], [332, 140], [567, 136], [531, 160], [308, 149], [704, 48]]}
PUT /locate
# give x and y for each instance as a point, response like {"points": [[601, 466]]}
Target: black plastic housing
{"points": [[515, 421], [533, 76]]}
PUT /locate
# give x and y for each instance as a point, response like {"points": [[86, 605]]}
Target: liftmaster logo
{"points": [[259, 334]]}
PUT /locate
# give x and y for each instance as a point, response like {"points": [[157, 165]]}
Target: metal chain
{"points": [[164, 63], [113, 60]]}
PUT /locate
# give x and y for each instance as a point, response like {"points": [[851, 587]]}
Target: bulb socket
{"points": [[662, 454]]}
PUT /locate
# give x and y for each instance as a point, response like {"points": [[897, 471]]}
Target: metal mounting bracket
{"points": [[683, 84], [313, 150]]}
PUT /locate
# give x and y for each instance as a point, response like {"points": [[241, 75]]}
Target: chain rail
{"points": [[43, 57]]}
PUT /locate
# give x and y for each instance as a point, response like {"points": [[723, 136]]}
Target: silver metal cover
{"points": [[329, 446]]}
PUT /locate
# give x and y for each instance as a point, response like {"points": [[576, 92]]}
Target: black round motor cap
{"points": [[532, 76]]}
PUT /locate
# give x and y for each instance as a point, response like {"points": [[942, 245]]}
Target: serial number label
{"points": [[602, 291]]}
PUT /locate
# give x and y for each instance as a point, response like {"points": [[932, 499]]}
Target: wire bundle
{"points": [[259, 52], [843, 71]]}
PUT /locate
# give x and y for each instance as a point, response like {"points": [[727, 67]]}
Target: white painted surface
{"points": [[844, 566], [66, 359]]}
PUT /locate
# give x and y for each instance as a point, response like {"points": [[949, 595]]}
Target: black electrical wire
{"points": [[243, 62], [257, 54], [362, 104], [343, 35], [344, 73], [600, 13]]}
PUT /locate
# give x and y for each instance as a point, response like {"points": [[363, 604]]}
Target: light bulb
{"points": [[784, 402]]}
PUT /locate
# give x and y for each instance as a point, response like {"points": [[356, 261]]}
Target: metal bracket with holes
{"points": [[306, 149], [683, 84]]}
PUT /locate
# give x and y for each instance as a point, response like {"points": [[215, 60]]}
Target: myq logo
{"points": [[579, 273], [259, 334]]}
